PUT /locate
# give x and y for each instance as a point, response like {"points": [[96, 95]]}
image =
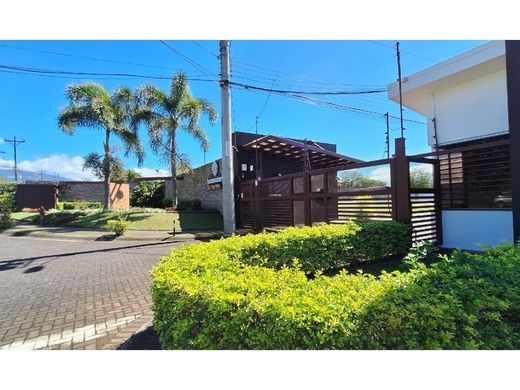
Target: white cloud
{"points": [[149, 172], [60, 164], [382, 173], [70, 167]]}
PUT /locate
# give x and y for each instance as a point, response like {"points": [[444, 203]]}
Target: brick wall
{"points": [[195, 185], [93, 192]]}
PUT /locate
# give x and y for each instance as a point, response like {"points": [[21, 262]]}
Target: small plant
{"points": [[418, 253], [119, 225]]}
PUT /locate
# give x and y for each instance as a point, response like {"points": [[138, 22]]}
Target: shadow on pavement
{"points": [[23, 262], [148, 339]]}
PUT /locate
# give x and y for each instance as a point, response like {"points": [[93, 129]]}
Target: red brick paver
{"points": [[73, 294]]}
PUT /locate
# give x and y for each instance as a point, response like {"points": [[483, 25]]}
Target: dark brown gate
{"points": [[320, 196]]}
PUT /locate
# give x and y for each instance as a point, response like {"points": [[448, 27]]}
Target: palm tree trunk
{"points": [[173, 163], [106, 172]]}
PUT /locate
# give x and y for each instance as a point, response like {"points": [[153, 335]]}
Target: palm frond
{"points": [[73, 116], [209, 109]]}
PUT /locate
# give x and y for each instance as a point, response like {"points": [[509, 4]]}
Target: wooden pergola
{"points": [[311, 154]]}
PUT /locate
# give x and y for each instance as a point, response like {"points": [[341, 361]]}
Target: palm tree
{"points": [[165, 113], [90, 105]]}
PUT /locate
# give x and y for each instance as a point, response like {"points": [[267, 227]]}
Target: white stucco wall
{"points": [[465, 229], [473, 109]]}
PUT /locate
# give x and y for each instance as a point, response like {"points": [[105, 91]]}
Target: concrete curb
{"points": [[103, 235], [128, 331]]}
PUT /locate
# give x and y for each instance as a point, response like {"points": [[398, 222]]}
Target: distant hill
{"points": [[8, 174]]}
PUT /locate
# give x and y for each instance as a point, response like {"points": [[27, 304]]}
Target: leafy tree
{"points": [[164, 113], [420, 178], [132, 174], [354, 179], [94, 162], [91, 105], [147, 194]]}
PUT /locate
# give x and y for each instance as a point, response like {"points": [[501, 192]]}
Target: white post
{"points": [[228, 186]]}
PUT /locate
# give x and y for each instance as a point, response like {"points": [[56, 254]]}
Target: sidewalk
{"points": [[69, 232]]}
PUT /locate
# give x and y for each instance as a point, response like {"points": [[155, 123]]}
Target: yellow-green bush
{"points": [[321, 247], [210, 296]]}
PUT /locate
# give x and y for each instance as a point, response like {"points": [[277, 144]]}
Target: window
{"points": [[477, 178]]}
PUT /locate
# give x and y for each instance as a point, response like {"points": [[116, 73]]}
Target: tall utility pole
{"points": [[400, 87], [387, 136], [15, 143], [228, 182]]}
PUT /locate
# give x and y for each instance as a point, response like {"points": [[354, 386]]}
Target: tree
{"points": [[166, 113], [354, 179], [132, 174], [420, 178], [94, 162], [90, 105]]}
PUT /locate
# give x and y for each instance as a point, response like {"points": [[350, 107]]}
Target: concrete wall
{"points": [[195, 185], [465, 229], [93, 192], [474, 109]]}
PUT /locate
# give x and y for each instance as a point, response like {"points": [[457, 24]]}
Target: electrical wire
{"points": [[359, 92], [68, 73], [188, 59], [206, 49], [59, 53], [300, 95], [405, 51]]}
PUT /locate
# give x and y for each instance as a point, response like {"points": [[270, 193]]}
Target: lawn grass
{"points": [[184, 221], [23, 216]]}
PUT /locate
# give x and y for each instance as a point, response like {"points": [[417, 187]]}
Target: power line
{"points": [[64, 72], [326, 103], [63, 54], [248, 87], [358, 92], [206, 49], [404, 51], [188, 59]]}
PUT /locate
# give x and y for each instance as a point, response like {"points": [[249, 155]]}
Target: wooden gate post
{"points": [[307, 198], [257, 204], [400, 181]]}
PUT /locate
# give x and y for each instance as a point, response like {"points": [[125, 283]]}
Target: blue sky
{"points": [[30, 103]]}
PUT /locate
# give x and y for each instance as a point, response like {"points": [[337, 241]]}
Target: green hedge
{"points": [[79, 205], [7, 204], [205, 299], [321, 247], [62, 217], [187, 204]]}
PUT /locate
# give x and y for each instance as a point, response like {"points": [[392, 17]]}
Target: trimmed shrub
{"points": [[209, 296], [188, 204], [321, 247], [58, 218], [118, 226], [79, 205], [7, 204]]}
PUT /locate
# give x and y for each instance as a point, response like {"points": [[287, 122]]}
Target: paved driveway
{"points": [[73, 294]]}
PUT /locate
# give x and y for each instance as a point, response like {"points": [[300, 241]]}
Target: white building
{"points": [[465, 102]]}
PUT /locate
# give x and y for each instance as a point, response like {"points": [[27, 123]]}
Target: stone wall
{"points": [[92, 191], [80, 191], [195, 185]]}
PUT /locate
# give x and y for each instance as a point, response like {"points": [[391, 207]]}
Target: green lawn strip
{"points": [[154, 221], [23, 216]]}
